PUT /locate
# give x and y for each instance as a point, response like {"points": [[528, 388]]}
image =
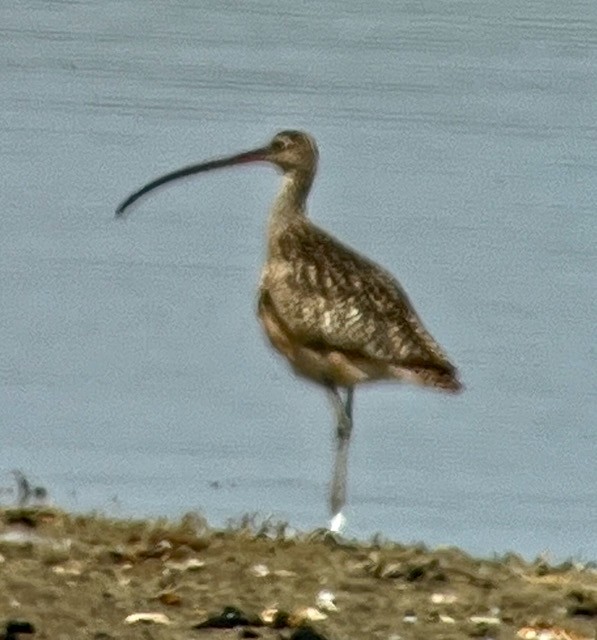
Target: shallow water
{"points": [[457, 148]]}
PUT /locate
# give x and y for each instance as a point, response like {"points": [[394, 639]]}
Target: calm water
{"points": [[458, 148]]}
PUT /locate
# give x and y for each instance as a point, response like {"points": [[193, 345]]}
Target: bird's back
{"points": [[341, 318]]}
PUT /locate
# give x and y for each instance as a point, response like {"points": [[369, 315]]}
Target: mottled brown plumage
{"points": [[341, 307], [339, 318]]}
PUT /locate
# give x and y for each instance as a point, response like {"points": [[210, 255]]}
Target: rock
{"points": [[306, 633], [326, 601], [16, 627], [230, 618]]}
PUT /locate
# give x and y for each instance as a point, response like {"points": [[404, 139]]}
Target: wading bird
{"points": [[339, 318]]}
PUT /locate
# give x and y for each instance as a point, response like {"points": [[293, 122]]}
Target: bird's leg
{"points": [[343, 411]]}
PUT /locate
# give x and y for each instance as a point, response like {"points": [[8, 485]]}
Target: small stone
{"points": [[488, 620], [443, 598], [190, 564], [527, 633], [326, 600], [268, 615], [259, 570], [308, 613], [155, 618], [392, 570], [446, 619], [285, 573], [71, 568], [275, 617]]}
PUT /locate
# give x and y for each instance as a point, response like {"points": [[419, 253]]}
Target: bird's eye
{"points": [[279, 144]]}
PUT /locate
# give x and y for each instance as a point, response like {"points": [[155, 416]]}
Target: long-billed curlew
{"points": [[338, 317]]}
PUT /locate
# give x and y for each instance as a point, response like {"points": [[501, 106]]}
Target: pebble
{"points": [[259, 570], [191, 564], [447, 619], [285, 573], [393, 570], [156, 618], [309, 613], [443, 598], [326, 601], [71, 568], [489, 620]]}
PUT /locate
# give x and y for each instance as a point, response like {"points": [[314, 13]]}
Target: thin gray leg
{"points": [[343, 410]]}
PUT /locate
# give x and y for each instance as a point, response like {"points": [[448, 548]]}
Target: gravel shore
{"points": [[87, 576]]}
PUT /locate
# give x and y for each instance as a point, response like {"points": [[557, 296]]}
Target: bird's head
{"points": [[288, 150]]}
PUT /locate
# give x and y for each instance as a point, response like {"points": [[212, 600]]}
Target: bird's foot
{"points": [[337, 523]]}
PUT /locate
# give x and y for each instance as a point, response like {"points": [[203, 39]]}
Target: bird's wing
{"points": [[331, 297]]}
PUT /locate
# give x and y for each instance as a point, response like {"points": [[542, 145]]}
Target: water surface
{"points": [[457, 148]]}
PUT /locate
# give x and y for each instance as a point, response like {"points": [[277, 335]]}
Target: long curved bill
{"points": [[255, 155]]}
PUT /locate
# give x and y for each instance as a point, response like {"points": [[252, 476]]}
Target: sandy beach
{"points": [[88, 576]]}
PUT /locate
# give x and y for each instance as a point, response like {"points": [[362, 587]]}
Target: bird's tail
{"points": [[442, 379]]}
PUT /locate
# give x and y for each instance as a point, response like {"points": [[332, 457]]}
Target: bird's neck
{"points": [[291, 201]]}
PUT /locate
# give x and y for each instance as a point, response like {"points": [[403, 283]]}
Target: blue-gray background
{"points": [[458, 148]]}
